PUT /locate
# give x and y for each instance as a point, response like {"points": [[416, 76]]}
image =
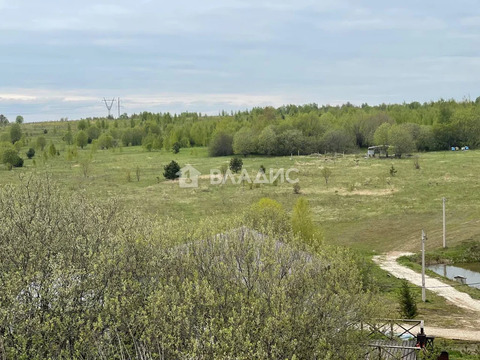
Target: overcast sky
{"points": [[61, 58]]}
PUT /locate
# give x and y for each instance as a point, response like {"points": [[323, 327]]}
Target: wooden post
{"points": [[424, 295], [444, 232]]}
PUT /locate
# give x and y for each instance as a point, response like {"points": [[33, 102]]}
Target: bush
{"points": [[176, 148], [103, 280], [296, 188], [81, 139], [393, 171], [171, 170], [236, 164], [11, 158], [221, 145], [30, 153], [105, 141], [52, 150], [41, 143]]}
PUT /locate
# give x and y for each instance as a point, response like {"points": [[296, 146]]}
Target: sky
{"points": [[59, 59]]}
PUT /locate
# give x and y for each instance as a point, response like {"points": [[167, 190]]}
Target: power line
{"points": [[109, 106]]}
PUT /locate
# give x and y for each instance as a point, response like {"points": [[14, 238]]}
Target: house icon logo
{"points": [[188, 177]]}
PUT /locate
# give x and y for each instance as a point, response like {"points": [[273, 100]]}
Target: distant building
{"points": [[379, 149]]}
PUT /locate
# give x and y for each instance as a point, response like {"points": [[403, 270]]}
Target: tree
{"points": [[40, 143], [408, 304], [401, 140], [290, 142], [82, 125], [19, 119], [326, 173], [81, 139], [3, 120], [303, 226], [245, 142], [338, 140], [368, 125], [93, 133], [68, 137], [236, 164], [381, 134], [30, 153], [171, 171], [15, 133], [85, 165], [267, 141], [221, 145], [52, 150]]}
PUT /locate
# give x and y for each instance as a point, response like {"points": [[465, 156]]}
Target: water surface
{"points": [[469, 271]]}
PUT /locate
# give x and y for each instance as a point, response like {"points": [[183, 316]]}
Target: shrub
{"points": [[101, 279], [176, 148], [52, 150], [171, 170], [296, 188], [105, 141], [393, 171], [236, 164], [30, 153], [11, 159], [41, 143]]}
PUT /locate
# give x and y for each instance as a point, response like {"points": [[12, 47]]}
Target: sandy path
{"points": [[455, 334], [389, 263]]}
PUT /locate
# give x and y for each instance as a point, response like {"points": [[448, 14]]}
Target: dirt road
{"points": [[389, 263]]}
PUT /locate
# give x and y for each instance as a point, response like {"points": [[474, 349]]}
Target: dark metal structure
{"points": [[397, 339]]}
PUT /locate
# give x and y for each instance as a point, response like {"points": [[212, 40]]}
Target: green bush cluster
{"points": [[82, 280]]}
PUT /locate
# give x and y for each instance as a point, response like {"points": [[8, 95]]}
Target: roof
{"points": [[392, 349]]}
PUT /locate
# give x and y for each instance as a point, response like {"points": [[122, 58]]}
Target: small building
{"points": [[379, 149]]}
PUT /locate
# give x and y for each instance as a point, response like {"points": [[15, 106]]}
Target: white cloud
{"points": [[4, 97], [471, 21]]}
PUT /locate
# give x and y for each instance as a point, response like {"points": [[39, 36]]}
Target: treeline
{"points": [[293, 129], [85, 280]]}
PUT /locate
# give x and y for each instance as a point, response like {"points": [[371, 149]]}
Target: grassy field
{"points": [[362, 206]]}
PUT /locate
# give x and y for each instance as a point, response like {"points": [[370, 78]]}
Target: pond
{"points": [[470, 271]]}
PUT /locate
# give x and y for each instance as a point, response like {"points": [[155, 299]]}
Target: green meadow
{"points": [[364, 205]]}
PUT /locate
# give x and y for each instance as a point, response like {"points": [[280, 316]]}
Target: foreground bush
{"points": [[84, 281]]}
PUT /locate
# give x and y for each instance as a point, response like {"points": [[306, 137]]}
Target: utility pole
{"points": [[424, 295], [109, 105], [444, 227], [118, 108]]}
